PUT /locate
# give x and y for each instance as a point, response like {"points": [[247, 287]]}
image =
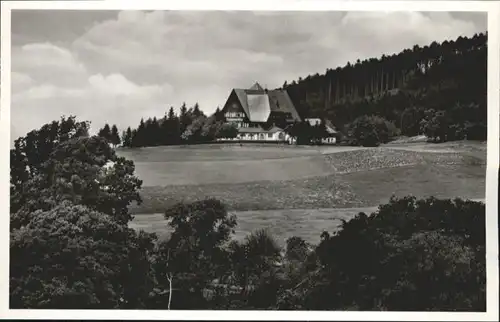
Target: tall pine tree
{"points": [[127, 137], [174, 132], [184, 118], [105, 132], [138, 139], [115, 137], [196, 111]]}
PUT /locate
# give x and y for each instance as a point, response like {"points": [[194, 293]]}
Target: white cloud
{"points": [[111, 98], [118, 85], [46, 91], [20, 81], [138, 64], [45, 62]]}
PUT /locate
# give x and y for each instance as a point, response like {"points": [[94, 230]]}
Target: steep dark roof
{"points": [[259, 103], [280, 101], [242, 97]]}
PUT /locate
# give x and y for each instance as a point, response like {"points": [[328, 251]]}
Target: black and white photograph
{"points": [[255, 160]]}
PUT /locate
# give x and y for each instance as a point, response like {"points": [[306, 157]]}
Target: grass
{"points": [[284, 223], [301, 190], [440, 181], [230, 171], [216, 152], [317, 192], [196, 165]]}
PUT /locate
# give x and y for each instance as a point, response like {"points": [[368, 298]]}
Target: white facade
{"points": [[275, 136], [329, 140]]}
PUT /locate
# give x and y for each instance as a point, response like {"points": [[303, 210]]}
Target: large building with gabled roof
{"points": [[260, 114]]}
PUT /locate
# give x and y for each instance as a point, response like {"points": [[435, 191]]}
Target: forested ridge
{"points": [[446, 77]]}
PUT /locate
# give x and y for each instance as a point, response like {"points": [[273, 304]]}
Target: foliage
{"points": [[304, 133], [71, 257], [254, 256], [202, 129], [84, 170], [31, 152], [191, 126], [372, 130], [402, 86], [105, 132], [365, 132], [127, 137], [397, 264], [115, 137], [296, 249], [460, 122], [70, 244], [110, 134], [195, 254], [226, 131]]}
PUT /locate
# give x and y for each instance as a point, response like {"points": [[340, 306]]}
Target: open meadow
{"points": [[295, 190]]}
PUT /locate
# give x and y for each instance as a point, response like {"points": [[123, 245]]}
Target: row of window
{"points": [[246, 125], [235, 114], [260, 136], [281, 115]]}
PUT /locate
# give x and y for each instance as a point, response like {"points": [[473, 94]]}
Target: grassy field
{"points": [[302, 190], [440, 181], [168, 166], [318, 192], [216, 152], [305, 223], [230, 171]]}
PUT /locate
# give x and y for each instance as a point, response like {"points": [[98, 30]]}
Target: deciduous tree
{"points": [[72, 257]]}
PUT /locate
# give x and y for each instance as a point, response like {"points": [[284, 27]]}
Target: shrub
{"points": [[409, 255], [370, 131], [195, 254], [71, 257], [227, 131]]}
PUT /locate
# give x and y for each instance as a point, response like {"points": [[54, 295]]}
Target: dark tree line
{"points": [[189, 126], [71, 247], [447, 79], [306, 134], [110, 134]]}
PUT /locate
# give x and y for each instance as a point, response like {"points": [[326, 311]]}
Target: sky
{"points": [[117, 67]]}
